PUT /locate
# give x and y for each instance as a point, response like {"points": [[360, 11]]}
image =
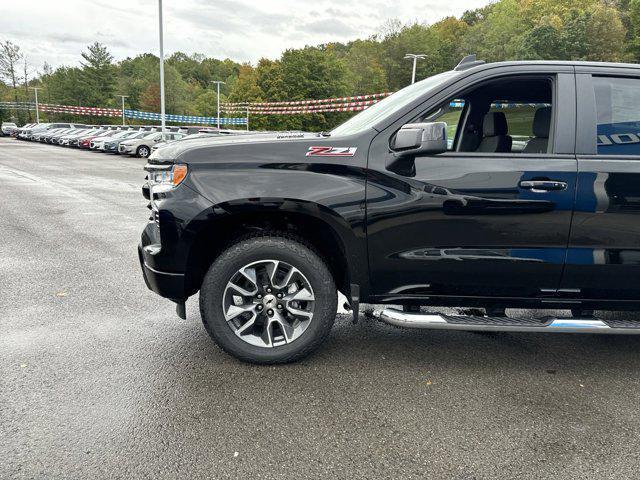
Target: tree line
{"points": [[596, 30]]}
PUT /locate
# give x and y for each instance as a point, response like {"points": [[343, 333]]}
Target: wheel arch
{"points": [[319, 227]]}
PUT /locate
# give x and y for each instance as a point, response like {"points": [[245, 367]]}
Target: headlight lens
{"points": [[166, 179]]}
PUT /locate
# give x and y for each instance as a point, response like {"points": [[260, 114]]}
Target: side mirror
{"points": [[421, 139]]}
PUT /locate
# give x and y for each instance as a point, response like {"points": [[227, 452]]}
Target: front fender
{"points": [[331, 194]]}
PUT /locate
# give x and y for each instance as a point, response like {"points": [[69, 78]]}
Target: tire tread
{"points": [[246, 246]]}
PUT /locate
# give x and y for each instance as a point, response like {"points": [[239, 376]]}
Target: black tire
{"points": [[143, 151], [253, 249]]}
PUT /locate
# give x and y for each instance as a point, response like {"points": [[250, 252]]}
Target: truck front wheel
{"points": [[268, 299]]}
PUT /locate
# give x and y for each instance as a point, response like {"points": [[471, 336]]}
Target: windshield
{"points": [[372, 115], [153, 136], [120, 134], [131, 134]]}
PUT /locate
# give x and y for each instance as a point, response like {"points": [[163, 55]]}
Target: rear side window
{"points": [[618, 115]]}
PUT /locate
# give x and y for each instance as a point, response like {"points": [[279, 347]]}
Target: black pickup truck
{"points": [[491, 186]]}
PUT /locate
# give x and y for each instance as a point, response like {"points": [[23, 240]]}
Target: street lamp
{"points": [[162, 115], [218, 82], [37, 109], [123, 97], [415, 58]]}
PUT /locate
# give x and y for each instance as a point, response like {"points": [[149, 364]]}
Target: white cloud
{"points": [[244, 30]]}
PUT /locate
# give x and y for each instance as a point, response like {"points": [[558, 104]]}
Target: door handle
{"points": [[542, 185]]}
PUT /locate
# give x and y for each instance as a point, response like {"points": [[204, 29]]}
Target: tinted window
{"points": [[618, 115]]}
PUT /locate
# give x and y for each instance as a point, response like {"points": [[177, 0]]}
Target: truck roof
{"points": [[477, 66]]}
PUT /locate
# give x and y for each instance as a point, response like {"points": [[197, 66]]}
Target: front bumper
{"points": [[126, 149], [168, 237], [165, 284]]}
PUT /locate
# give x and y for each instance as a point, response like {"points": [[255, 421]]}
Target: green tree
{"points": [[365, 73], [10, 57], [99, 75]]}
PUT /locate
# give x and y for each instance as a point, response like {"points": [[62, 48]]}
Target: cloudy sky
{"points": [[57, 31]]}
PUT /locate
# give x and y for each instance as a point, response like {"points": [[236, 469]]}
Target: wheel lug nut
{"points": [[259, 307], [268, 290], [259, 296], [279, 306], [279, 295], [270, 312]]}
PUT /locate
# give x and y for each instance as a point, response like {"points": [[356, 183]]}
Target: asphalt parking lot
{"points": [[100, 379]]}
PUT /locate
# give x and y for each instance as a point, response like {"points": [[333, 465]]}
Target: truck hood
{"points": [[181, 148]]}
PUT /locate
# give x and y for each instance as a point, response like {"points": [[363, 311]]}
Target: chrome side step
{"points": [[438, 321]]}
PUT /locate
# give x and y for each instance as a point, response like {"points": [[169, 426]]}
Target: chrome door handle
{"points": [[542, 185]]}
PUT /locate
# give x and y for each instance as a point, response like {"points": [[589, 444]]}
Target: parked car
{"points": [[17, 131], [98, 143], [73, 140], [141, 147], [45, 136], [44, 128], [25, 132], [85, 141], [111, 145], [54, 135], [7, 128], [492, 186], [69, 139]]}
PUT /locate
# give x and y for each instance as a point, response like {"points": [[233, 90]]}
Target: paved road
{"points": [[99, 378]]}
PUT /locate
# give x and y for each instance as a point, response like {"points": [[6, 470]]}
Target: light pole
{"points": [[37, 109], [123, 97], [162, 116], [415, 58], [218, 82]]}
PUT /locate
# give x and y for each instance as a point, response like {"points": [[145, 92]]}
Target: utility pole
{"points": [[123, 97], [415, 58], [37, 107], [218, 82], [162, 113]]}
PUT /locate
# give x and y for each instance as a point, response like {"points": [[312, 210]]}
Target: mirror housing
{"points": [[428, 138]]}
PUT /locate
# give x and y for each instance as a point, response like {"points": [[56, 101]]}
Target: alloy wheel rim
{"points": [[144, 152], [268, 303]]}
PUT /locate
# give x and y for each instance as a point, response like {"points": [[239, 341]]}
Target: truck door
{"points": [[490, 217], [603, 261]]}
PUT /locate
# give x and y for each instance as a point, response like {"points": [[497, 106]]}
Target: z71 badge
{"points": [[331, 151]]}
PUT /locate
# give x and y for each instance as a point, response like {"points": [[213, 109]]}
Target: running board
{"points": [[438, 321]]}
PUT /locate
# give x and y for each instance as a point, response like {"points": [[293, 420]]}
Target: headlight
{"points": [[164, 179]]}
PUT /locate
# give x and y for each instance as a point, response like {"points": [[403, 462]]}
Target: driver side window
{"points": [[451, 114], [503, 116]]}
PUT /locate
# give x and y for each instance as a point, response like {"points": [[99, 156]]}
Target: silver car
{"points": [[141, 147]]}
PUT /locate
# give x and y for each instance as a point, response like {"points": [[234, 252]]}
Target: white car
{"points": [[8, 128], [98, 143]]}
